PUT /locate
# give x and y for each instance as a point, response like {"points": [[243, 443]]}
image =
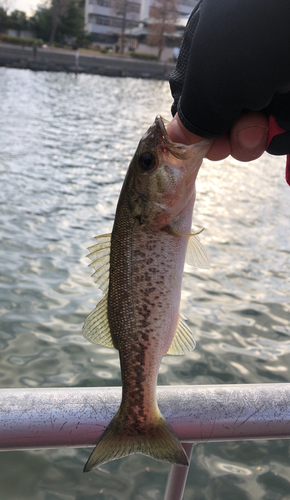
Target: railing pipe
{"points": [[76, 417], [177, 477]]}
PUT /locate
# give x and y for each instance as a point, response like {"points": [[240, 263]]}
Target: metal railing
{"points": [[76, 417]]}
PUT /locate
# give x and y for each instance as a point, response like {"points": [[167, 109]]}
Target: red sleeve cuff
{"points": [[288, 170], [274, 129]]}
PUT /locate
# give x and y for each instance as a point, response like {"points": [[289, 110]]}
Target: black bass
{"points": [[139, 269]]}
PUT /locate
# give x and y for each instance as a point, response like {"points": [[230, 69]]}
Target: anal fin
{"points": [[183, 340], [96, 327]]}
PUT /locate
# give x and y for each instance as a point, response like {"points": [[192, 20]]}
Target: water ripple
{"points": [[65, 147]]}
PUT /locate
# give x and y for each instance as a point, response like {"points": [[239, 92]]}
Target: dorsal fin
{"points": [[100, 257], [96, 327], [183, 340]]}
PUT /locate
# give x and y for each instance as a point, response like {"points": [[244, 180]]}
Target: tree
{"points": [[5, 4], [71, 25], [164, 15], [41, 23], [127, 10], [120, 7], [3, 19], [18, 21], [59, 9]]}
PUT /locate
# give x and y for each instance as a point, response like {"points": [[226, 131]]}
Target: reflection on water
{"points": [[65, 147]]}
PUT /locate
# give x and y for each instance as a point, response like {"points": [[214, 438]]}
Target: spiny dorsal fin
{"points": [[96, 327], [100, 257], [183, 340], [196, 254]]}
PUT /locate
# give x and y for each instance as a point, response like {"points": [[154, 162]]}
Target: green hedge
{"points": [[144, 55], [17, 40]]}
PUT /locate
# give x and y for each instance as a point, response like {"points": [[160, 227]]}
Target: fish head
{"points": [[162, 176]]}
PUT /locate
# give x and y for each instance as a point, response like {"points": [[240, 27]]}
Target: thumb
{"points": [[178, 133], [249, 136]]}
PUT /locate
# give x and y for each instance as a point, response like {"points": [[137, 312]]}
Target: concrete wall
{"points": [[14, 56], [167, 53]]}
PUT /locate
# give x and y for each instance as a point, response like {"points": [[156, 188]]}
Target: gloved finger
{"points": [[219, 150]]}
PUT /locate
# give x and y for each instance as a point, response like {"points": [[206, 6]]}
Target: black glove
{"points": [[234, 58]]}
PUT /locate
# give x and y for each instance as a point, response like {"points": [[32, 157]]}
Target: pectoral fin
{"points": [[173, 232], [183, 340], [195, 254]]}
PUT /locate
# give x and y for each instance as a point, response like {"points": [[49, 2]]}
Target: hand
{"points": [[246, 140]]}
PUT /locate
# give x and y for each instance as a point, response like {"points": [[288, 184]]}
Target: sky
{"points": [[29, 6]]}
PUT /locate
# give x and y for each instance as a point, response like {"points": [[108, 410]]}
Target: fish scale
{"points": [[139, 314]]}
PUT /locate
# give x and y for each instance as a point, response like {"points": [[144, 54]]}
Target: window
{"points": [[104, 3], [134, 7]]}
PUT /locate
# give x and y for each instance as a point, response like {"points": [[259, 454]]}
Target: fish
{"points": [[139, 269]]}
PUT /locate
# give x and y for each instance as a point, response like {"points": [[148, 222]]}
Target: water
{"points": [[65, 147]]}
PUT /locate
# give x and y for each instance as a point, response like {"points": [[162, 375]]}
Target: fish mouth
{"points": [[157, 137], [161, 124]]}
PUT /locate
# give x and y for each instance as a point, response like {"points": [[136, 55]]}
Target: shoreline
{"points": [[53, 59]]}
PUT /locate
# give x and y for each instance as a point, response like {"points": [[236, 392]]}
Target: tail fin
{"points": [[158, 442]]}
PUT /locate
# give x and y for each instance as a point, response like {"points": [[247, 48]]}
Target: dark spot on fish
{"points": [[139, 219]]}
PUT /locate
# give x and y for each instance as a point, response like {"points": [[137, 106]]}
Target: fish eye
{"points": [[147, 162]]}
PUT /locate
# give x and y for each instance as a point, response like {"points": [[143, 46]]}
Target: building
{"points": [[185, 7], [104, 22], [137, 39]]}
